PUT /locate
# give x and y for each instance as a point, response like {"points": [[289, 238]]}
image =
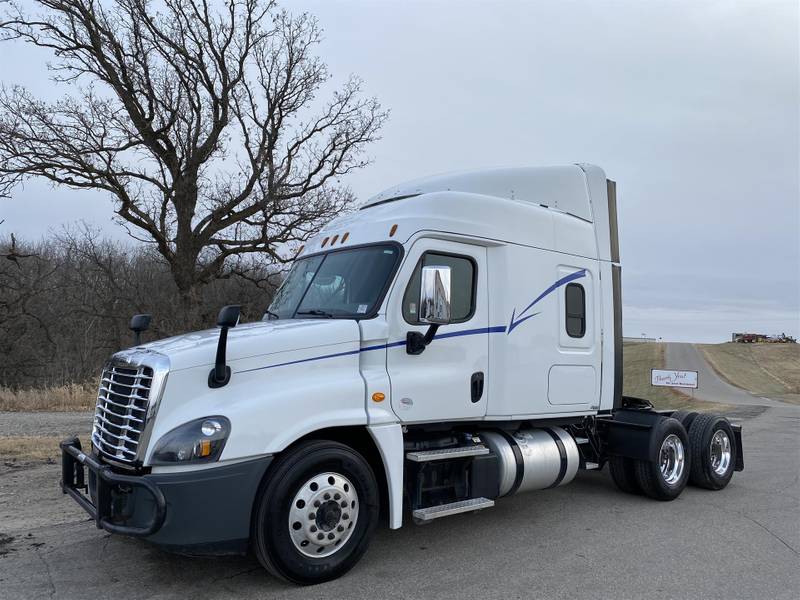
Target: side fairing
{"points": [[539, 370]]}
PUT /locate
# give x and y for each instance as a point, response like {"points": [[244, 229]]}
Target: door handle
{"points": [[476, 386]]}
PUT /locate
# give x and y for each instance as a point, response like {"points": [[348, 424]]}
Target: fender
{"points": [[389, 440], [628, 433]]}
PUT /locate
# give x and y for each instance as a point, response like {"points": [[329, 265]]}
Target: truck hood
{"points": [[254, 339]]}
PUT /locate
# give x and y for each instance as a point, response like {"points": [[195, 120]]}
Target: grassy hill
{"points": [[762, 369], [637, 359]]}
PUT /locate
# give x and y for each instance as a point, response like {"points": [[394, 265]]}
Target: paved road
{"points": [[710, 386], [585, 540]]}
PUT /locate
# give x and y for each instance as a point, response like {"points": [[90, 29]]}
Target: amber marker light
{"points": [[205, 448], [345, 236], [325, 241], [378, 397], [393, 230], [333, 241]]}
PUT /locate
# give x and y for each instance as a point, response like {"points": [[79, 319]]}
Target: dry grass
{"points": [[638, 359], [32, 448], [761, 369], [62, 398]]}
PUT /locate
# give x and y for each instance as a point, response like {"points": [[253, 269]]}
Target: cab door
{"points": [[448, 380]]}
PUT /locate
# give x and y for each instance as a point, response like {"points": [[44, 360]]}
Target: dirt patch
{"points": [[62, 398], [5, 541]]}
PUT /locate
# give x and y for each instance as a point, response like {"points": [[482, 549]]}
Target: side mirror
{"points": [[139, 323], [434, 306], [434, 295], [221, 373], [229, 316]]}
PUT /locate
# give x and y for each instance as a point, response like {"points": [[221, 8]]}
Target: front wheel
{"points": [[316, 513]]}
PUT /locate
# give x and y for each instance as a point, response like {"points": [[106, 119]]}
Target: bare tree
{"points": [[65, 307], [199, 118]]}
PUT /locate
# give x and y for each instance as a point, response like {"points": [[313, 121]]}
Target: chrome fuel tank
{"points": [[533, 459]]}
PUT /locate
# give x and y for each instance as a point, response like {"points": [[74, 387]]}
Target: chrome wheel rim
{"points": [[671, 459], [323, 515], [720, 452]]}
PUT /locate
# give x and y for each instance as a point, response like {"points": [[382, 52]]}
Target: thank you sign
{"points": [[680, 379]]}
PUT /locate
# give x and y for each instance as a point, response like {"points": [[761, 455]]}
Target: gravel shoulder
{"points": [[45, 423]]}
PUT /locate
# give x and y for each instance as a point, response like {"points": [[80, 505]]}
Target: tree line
{"points": [[65, 304]]}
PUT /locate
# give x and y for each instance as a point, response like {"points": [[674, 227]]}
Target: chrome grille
{"points": [[121, 412]]}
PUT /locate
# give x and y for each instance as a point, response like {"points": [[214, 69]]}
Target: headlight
{"points": [[198, 441]]}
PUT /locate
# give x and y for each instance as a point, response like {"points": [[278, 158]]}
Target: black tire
{"points": [[686, 417], [703, 473], [623, 472], [648, 472], [274, 546]]}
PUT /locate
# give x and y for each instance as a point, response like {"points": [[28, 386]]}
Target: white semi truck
{"points": [[456, 340]]}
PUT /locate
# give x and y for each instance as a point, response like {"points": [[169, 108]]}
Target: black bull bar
{"points": [[107, 485]]}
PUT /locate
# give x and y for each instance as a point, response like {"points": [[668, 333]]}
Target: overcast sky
{"points": [[692, 107]]}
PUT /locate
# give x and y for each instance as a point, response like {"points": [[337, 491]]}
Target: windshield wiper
{"points": [[316, 313], [272, 316]]}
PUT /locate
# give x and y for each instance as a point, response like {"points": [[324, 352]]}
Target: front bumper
{"points": [[203, 511]]}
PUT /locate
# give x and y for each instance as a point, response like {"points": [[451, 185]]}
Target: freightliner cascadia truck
{"points": [[455, 341]]}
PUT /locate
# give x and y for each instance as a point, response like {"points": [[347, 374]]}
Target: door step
{"points": [[424, 515], [446, 453], [581, 440], [591, 466]]}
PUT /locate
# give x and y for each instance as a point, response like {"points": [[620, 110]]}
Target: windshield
{"points": [[343, 283]]}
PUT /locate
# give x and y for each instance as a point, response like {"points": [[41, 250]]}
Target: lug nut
{"points": [[337, 496], [312, 516], [340, 529], [320, 536], [331, 536]]}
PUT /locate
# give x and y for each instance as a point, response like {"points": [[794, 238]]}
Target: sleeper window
{"points": [[576, 310], [462, 287]]}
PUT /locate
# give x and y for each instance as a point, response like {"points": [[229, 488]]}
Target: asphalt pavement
{"points": [[583, 540]]}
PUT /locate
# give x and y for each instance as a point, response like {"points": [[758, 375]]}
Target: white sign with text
{"points": [[681, 379]]}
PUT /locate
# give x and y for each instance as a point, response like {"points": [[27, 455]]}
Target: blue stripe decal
{"points": [[563, 281], [383, 346], [450, 334], [305, 360]]}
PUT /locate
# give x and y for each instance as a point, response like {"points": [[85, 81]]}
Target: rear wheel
{"points": [[316, 513], [713, 452], [686, 417], [623, 472], [665, 475]]}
